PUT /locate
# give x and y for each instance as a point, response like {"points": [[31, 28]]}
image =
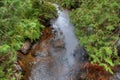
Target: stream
{"points": [[63, 53], [58, 56]]}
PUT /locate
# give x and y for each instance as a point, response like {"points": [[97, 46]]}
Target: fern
{"points": [[19, 19], [95, 23]]}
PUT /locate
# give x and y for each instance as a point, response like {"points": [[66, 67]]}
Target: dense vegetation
{"points": [[20, 20], [97, 26]]}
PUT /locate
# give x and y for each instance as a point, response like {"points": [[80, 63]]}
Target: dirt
{"points": [[26, 61]]}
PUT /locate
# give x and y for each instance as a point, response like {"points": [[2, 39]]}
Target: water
{"points": [[63, 24], [64, 53]]}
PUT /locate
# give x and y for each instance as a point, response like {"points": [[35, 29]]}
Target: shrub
{"points": [[97, 24], [19, 19], [69, 4]]}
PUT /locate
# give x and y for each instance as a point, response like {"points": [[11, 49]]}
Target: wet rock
{"points": [[42, 71], [81, 53], [59, 43], [117, 76], [26, 46], [41, 54]]}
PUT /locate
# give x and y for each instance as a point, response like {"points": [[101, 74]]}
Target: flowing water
{"points": [[64, 53]]}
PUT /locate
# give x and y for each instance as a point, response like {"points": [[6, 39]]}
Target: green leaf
{"points": [[109, 61], [2, 73], [4, 48], [108, 50], [110, 27]]}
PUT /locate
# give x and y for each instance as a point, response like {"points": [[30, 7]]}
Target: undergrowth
{"points": [[20, 20]]}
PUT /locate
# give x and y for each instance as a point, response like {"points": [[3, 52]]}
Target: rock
{"points": [[59, 43], [117, 43], [81, 54], [26, 46], [118, 46], [116, 76], [17, 66], [41, 54]]}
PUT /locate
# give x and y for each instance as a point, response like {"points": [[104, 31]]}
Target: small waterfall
{"points": [[63, 24], [64, 51]]}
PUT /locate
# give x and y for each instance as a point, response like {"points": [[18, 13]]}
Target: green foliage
{"points": [[97, 26], [47, 10], [69, 4], [4, 48], [19, 20]]}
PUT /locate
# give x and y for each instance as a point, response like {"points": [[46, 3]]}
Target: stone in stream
{"points": [[59, 43], [41, 54]]}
